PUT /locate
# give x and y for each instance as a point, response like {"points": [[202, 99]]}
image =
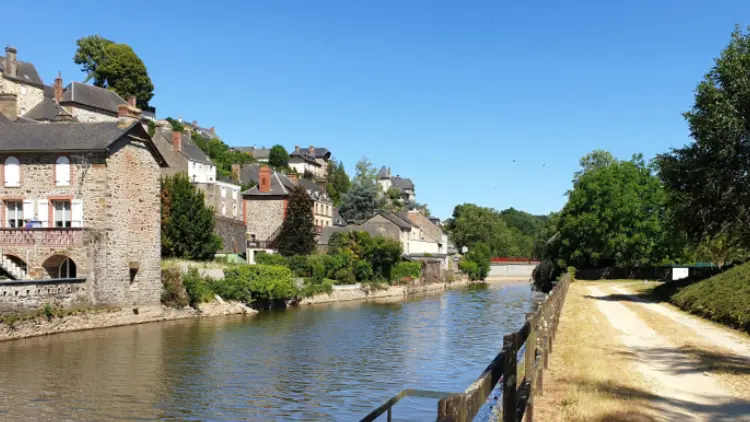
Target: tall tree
{"points": [[116, 67], [90, 54], [472, 224], [278, 157], [187, 225], [362, 199], [338, 182], [709, 179], [297, 236]]}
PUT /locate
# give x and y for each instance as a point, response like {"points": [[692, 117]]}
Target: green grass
{"points": [[724, 298]]}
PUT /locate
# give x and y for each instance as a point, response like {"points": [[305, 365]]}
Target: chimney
{"points": [[11, 68], [264, 179], [176, 141], [389, 172], [58, 87], [132, 100], [311, 151], [9, 106], [179, 119], [195, 123], [296, 149], [127, 115], [236, 169], [212, 130], [292, 177]]}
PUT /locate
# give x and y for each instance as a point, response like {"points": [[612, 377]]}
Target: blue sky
{"points": [[447, 93]]}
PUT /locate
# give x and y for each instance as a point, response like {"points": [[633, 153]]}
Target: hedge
{"points": [[263, 283], [406, 269]]}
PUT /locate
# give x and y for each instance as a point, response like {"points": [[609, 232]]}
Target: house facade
{"points": [[404, 186], [304, 162], [22, 80], [80, 213]]}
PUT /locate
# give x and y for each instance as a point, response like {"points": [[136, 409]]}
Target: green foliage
{"points": [[221, 155], [615, 216], [176, 125], [173, 292], [278, 157], [572, 273], [262, 283], [263, 258], [380, 252], [470, 268], [479, 253], [198, 288], [151, 128], [363, 270], [724, 298], [338, 182], [313, 287], [116, 67], [707, 179], [362, 199], [345, 275], [297, 236], [49, 311], [187, 225], [301, 265], [405, 269]]}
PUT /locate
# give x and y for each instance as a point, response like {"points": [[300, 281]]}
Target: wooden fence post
{"points": [[530, 367], [510, 370]]}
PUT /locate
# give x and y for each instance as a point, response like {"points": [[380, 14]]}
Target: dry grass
{"points": [[732, 371], [590, 376]]}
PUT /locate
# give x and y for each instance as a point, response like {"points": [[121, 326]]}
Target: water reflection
{"points": [[328, 362]]}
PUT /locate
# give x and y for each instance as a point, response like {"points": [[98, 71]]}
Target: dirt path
{"points": [[679, 388]]}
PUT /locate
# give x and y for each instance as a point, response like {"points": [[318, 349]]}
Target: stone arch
{"points": [[16, 260], [60, 266]]}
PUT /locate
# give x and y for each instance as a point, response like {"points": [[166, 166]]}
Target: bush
{"points": [[406, 269], [724, 298], [270, 259], [479, 253], [345, 276], [262, 283], [572, 273], [363, 271], [173, 293], [199, 289], [300, 265], [470, 268], [319, 266], [312, 287]]}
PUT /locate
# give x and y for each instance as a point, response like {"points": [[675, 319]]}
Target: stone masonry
{"points": [[264, 216]]}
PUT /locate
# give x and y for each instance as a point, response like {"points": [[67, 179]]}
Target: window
{"points": [[223, 192], [62, 215], [24, 90], [223, 209], [62, 171], [12, 172], [14, 214], [234, 193]]}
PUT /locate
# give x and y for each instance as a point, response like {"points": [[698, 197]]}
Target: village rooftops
{"points": [[187, 147], [47, 110], [25, 72], [92, 96]]}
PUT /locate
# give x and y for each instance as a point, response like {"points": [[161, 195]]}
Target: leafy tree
{"points": [[116, 67], [338, 182], [362, 199], [709, 179], [187, 225], [615, 216], [278, 157], [721, 249], [297, 236], [221, 155], [471, 224], [592, 161], [90, 54], [479, 253]]}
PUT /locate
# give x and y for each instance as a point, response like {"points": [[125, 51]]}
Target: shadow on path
{"points": [[673, 358]]}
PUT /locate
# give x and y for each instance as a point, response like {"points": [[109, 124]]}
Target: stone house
{"points": [[89, 103], [304, 163], [21, 79], [398, 226], [79, 213], [260, 154], [403, 185]]}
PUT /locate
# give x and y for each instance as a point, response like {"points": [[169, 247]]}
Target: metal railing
{"points": [[537, 334], [387, 407]]}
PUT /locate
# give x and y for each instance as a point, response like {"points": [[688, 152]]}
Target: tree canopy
{"points": [[709, 179], [221, 155], [278, 158], [114, 66], [187, 224], [297, 236], [338, 182], [363, 198]]}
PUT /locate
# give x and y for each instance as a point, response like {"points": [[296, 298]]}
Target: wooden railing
{"points": [[538, 335]]}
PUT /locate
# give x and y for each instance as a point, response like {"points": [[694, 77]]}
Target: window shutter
{"points": [[12, 172], [43, 212], [76, 209], [28, 209], [62, 171]]}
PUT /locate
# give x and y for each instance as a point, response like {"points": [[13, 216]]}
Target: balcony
{"points": [[52, 236]]}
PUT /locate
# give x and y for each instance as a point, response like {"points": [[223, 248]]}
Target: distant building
{"points": [[20, 79], [403, 185]]}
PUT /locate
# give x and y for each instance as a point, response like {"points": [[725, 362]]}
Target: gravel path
{"points": [[679, 390]]}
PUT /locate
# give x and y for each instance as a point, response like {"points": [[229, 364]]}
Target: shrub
{"points": [[199, 289], [312, 287], [406, 269], [319, 266], [479, 253], [262, 283], [470, 268], [270, 259], [300, 265], [345, 276], [363, 271], [572, 273], [173, 292]]}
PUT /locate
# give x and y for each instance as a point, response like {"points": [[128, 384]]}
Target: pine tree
{"points": [[297, 236], [187, 225]]}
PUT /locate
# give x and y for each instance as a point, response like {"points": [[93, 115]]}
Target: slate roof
{"points": [[4, 120], [190, 150], [395, 219], [258, 153], [46, 110], [309, 185], [68, 137], [402, 183], [92, 96], [49, 92], [304, 156], [383, 173], [322, 153], [278, 187], [25, 72]]}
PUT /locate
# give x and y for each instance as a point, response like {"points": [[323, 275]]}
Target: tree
{"points": [[116, 67], [338, 182], [615, 216], [90, 54], [594, 160], [221, 154], [362, 199], [472, 224], [187, 225], [297, 236], [709, 179], [278, 158]]}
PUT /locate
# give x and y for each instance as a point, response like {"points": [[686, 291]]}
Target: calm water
{"points": [[334, 362]]}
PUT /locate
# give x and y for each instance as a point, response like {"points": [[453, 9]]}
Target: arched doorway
{"points": [[60, 266]]}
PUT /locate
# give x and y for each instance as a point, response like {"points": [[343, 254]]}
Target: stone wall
{"points": [[28, 95], [264, 216], [231, 201], [232, 233], [86, 114], [33, 295]]}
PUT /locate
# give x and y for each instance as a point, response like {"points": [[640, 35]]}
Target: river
{"points": [[324, 362]]}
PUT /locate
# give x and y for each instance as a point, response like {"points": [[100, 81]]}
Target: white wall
{"points": [[201, 172], [423, 247], [511, 270]]}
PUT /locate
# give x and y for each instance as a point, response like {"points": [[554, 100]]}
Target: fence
{"points": [[538, 335]]}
